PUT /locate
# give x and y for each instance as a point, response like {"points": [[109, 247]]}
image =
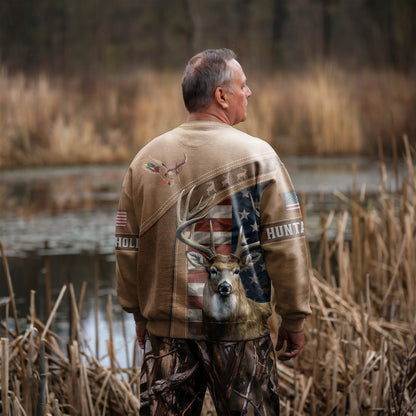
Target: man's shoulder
{"points": [[251, 143], [254, 139], [212, 138], [156, 143]]}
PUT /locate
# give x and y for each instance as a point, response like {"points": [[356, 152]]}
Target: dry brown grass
{"points": [[311, 113], [53, 122], [360, 355], [323, 110], [360, 358], [329, 111], [44, 122]]}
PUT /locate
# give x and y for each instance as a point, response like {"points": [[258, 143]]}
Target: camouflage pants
{"points": [[241, 377]]}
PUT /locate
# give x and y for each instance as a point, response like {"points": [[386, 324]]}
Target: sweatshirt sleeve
{"points": [[126, 248], [285, 251]]}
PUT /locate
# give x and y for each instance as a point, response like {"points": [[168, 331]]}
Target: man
{"points": [[210, 239]]}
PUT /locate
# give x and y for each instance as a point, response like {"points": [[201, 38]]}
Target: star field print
{"points": [[227, 218], [255, 281]]}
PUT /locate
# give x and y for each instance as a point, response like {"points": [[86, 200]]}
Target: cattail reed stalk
{"points": [[85, 388], [48, 292], [341, 253], [303, 208], [324, 263], [10, 286], [101, 392], [110, 344], [409, 162], [354, 182], [73, 311], [305, 393], [6, 318], [394, 150], [81, 297], [73, 384], [31, 353], [96, 287], [79, 332], [126, 344], [4, 372], [334, 386], [53, 313], [42, 381]]}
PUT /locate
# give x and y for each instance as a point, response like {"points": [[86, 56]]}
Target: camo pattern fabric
{"points": [[241, 377]]}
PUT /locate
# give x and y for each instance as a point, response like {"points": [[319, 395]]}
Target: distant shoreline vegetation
{"points": [[323, 110]]}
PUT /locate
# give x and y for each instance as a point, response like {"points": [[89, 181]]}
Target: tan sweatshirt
{"points": [[208, 226]]}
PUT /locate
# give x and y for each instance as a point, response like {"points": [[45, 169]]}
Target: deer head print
{"points": [[225, 300]]}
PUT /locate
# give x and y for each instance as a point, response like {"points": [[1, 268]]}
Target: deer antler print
{"points": [[242, 246], [227, 312], [191, 218]]}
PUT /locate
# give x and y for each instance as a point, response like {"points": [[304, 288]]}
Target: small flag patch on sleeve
{"points": [[291, 201], [121, 219]]}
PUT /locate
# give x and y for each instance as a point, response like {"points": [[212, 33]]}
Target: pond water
{"points": [[61, 220]]}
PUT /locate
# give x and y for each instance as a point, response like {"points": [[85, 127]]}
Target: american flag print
{"points": [[291, 201], [227, 217], [121, 219]]}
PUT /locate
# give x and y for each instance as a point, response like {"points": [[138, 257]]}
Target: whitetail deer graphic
{"points": [[227, 312]]}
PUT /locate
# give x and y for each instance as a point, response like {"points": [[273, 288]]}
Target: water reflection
{"points": [[67, 215], [64, 216], [97, 271]]}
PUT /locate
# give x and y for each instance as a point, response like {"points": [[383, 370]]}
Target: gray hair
{"points": [[203, 74]]}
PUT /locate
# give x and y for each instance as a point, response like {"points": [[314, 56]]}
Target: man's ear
{"points": [[221, 97]]}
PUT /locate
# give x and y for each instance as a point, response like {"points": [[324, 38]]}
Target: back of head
{"points": [[204, 73]]}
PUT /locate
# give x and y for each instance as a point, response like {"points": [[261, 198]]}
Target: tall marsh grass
{"points": [[313, 113], [360, 354], [320, 111], [360, 358]]}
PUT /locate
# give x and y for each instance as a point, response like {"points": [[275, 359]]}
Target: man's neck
{"points": [[207, 116]]}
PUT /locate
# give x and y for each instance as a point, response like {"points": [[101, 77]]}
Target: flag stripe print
{"points": [[291, 201], [227, 218], [121, 219], [221, 218]]}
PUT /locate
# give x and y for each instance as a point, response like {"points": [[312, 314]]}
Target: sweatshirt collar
{"points": [[204, 124]]}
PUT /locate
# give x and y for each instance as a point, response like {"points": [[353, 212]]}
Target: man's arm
{"points": [[286, 257], [127, 244]]}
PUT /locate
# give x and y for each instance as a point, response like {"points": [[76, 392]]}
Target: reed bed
{"points": [[360, 358], [360, 355], [321, 110]]}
